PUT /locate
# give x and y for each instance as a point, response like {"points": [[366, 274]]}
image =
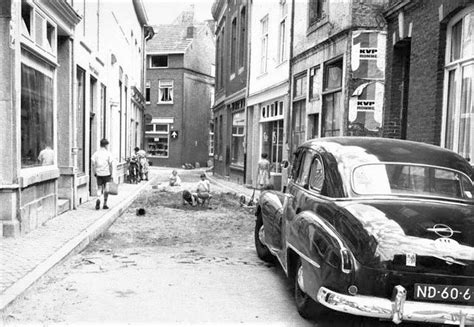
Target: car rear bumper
{"points": [[397, 309]]}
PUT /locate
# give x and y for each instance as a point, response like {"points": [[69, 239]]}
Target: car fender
{"points": [[270, 206], [319, 246]]}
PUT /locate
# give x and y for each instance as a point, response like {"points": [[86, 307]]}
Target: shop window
{"points": [[238, 133], [37, 118], [159, 61], [165, 92], [157, 140], [459, 112], [272, 143], [332, 99]]}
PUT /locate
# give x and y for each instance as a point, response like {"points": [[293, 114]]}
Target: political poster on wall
{"points": [[368, 54]]}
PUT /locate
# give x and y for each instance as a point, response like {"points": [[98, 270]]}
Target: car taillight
{"points": [[346, 261]]}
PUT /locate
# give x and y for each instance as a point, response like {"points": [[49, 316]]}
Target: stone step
{"points": [[63, 206]]}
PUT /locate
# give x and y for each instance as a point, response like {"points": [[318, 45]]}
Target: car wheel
{"points": [[307, 307], [262, 250]]}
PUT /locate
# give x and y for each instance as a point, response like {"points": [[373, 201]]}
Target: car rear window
{"points": [[407, 179]]}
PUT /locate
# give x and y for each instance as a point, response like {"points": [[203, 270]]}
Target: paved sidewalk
{"points": [[25, 259]]}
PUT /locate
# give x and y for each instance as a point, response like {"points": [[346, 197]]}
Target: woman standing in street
{"points": [[263, 176]]}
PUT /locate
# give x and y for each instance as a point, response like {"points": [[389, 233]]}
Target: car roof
{"points": [[352, 151]]}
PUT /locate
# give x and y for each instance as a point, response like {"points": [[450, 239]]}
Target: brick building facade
{"points": [[430, 72], [179, 91], [337, 69], [229, 122]]}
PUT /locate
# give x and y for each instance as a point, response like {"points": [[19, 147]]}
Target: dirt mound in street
{"points": [[167, 222]]}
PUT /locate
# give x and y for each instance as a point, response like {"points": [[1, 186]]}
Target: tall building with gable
{"points": [[179, 91]]}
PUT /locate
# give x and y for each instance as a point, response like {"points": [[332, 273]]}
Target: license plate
{"points": [[444, 293]]}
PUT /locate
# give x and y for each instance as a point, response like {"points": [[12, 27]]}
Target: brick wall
{"points": [[427, 57]]}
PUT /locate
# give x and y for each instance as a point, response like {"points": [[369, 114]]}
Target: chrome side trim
{"points": [[397, 309], [306, 258]]}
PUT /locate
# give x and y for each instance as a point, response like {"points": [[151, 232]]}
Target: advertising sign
{"points": [[368, 54]]}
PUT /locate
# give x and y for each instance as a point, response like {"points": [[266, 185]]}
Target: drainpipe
{"points": [[74, 148], [249, 51], [289, 135]]}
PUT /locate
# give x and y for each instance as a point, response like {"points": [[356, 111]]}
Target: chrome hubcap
{"points": [[261, 235]]}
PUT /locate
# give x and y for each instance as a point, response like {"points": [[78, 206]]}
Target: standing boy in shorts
{"points": [[102, 166]]}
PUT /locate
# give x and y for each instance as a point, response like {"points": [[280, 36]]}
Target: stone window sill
{"points": [[30, 176]]}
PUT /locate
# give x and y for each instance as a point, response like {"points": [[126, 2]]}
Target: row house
{"points": [[316, 69], [229, 110], [337, 69], [71, 74], [385, 68], [179, 92], [268, 87], [430, 73]]}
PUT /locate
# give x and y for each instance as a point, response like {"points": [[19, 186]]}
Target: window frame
{"points": [[157, 55], [233, 46], [456, 67], [242, 37], [147, 92], [264, 44], [319, 20], [170, 92], [154, 133], [326, 92], [282, 39]]}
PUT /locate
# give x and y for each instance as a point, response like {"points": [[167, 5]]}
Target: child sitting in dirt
{"points": [[189, 198], [204, 191], [174, 178]]}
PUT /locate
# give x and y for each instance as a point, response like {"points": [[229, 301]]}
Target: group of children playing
{"points": [[202, 194]]}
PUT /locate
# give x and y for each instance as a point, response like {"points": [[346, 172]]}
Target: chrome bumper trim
{"points": [[397, 309]]}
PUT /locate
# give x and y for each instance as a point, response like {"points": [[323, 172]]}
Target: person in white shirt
{"points": [[174, 179], [102, 166], [204, 190], [46, 156]]}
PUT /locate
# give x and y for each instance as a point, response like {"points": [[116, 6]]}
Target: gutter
{"points": [[140, 11]]}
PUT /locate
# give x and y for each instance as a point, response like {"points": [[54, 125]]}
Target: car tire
{"points": [[262, 250], [307, 307]]}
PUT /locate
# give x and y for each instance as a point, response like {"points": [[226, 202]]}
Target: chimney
{"points": [[190, 32]]}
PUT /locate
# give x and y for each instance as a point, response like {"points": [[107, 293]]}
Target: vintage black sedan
{"points": [[374, 227]]}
